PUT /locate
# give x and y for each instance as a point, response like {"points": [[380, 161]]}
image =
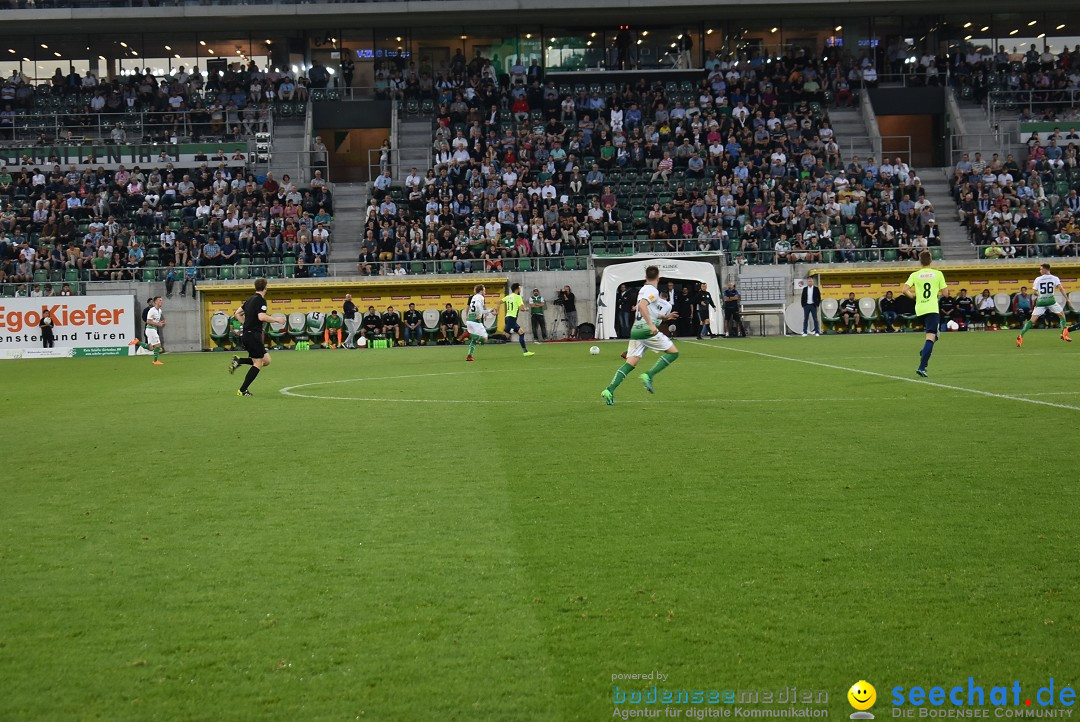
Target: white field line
{"points": [[921, 382], [292, 391]]}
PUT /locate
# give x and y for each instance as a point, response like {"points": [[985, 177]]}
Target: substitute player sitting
{"points": [[333, 325], [644, 334], [1044, 289]]}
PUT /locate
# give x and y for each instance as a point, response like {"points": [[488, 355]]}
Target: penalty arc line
{"points": [[290, 391], [920, 382], [287, 389]]}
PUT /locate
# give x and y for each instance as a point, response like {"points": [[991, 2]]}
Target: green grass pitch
{"points": [[410, 537]]}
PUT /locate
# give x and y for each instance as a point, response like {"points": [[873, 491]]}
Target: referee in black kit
{"points": [[253, 315]]}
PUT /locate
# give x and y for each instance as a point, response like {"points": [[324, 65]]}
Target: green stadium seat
{"points": [[829, 317], [277, 332], [868, 311]]}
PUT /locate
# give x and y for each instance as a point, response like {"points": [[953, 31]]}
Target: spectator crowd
{"points": [[744, 160], [180, 105], [71, 225]]}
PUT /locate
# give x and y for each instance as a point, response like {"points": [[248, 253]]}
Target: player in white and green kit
{"points": [[651, 309], [1044, 287], [474, 321], [155, 321]]}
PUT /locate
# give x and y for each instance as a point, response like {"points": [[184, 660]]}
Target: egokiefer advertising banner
{"points": [[82, 326]]}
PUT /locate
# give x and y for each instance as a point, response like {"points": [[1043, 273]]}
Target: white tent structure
{"points": [[674, 269]]}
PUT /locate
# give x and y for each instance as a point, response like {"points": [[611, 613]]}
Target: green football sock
{"points": [[620, 375], [1027, 325], [140, 344], [665, 360], [157, 352], [1061, 321], [472, 344]]}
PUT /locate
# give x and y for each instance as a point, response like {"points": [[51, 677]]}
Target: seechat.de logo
{"points": [[862, 696]]}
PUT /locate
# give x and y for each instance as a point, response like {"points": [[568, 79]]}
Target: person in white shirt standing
{"points": [[644, 334], [154, 322]]}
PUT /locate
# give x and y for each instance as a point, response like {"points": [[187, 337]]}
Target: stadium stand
{"points": [[139, 107], [63, 227], [743, 161], [1029, 206]]}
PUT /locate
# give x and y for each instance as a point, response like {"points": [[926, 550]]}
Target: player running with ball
{"points": [[474, 323], [1044, 287], [154, 321], [651, 309]]}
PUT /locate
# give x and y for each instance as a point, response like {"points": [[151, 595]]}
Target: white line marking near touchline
{"points": [[920, 382]]}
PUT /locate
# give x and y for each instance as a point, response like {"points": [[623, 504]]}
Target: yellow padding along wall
{"points": [[999, 278], [325, 296]]}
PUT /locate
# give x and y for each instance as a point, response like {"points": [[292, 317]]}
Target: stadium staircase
{"points": [[350, 199], [851, 133], [974, 120], [955, 245], [414, 142], [290, 151]]}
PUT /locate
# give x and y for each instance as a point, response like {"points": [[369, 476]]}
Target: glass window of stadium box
{"points": [[1021, 33], [498, 44], [661, 47], [433, 49], [718, 41], [754, 40], [163, 53], [621, 47], [530, 45], [392, 51], [566, 49], [358, 44], [19, 55], [38, 57], [327, 48]]}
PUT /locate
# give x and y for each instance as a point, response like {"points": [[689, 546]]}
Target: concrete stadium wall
{"points": [[181, 314], [582, 283], [738, 274]]}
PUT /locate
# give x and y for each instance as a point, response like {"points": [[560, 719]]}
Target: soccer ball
{"points": [[953, 326], [594, 350]]}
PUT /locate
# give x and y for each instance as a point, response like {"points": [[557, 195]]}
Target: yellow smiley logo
{"points": [[862, 695]]}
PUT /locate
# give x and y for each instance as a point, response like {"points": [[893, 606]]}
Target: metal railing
{"points": [[255, 266], [701, 246], [134, 127], [882, 146], [907, 80], [299, 164], [393, 163], [831, 255], [971, 143], [869, 118], [733, 254], [1027, 250], [1004, 106]]}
